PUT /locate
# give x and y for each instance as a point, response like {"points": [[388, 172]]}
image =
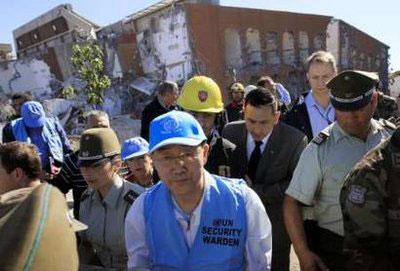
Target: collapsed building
{"points": [[176, 39]]}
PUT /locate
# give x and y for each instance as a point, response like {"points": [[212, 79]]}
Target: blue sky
{"points": [[380, 20]]}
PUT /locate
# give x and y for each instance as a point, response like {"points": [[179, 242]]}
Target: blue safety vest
{"points": [[220, 240]]}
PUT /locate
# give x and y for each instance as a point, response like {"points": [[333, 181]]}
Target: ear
{"points": [[374, 100], [277, 116], [206, 149], [18, 174], [117, 164]]}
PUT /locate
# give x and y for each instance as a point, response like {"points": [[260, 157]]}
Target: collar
{"points": [[310, 101], [113, 194], [264, 140]]}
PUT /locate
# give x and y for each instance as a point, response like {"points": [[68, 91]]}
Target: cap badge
{"points": [[203, 96], [347, 78], [85, 154], [170, 125]]}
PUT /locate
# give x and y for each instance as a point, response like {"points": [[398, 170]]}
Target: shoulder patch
{"points": [[387, 124], [357, 194], [320, 138], [131, 196]]}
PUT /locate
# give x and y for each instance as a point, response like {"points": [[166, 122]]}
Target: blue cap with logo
{"points": [[33, 114], [175, 127], [134, 147]]}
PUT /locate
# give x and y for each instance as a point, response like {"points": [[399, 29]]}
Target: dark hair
{"points": [[21, 155], [261, 97], [166, 86], [264, 79], [26, 96]]}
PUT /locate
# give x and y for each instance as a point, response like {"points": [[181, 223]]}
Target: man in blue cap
{"points": [[135, 154], [46, 133], [192, 220]]}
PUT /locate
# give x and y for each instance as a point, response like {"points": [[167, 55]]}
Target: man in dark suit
{"points": [[267, 152], [163, 102], [313, 111]]}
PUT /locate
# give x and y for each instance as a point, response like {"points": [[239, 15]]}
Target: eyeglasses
{"points": [[186, 157]]}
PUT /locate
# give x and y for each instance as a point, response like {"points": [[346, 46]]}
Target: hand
{"points": [[311, 262]]}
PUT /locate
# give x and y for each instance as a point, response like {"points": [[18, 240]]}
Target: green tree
{"points": [[87, 59]]}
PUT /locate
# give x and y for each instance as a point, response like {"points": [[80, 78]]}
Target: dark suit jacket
{"points": [[298, 118], [278, 160]]}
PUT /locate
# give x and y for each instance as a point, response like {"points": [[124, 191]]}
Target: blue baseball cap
{"points": [[134, 147], [33, 114], [175, 127]]}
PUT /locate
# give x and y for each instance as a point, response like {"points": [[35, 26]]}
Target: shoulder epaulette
{"points": [[387, 124], [320, 138], [131, 196]]}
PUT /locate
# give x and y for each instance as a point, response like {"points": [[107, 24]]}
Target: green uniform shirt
{"points": [[322, 168], [370, 201], [105, 219]]}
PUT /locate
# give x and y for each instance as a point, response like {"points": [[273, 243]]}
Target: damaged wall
{"points": [[255, 43], [360, 51], [25, 75], [163, 44]]}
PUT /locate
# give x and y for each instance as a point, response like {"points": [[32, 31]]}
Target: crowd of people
{"points": [[208, 185]]}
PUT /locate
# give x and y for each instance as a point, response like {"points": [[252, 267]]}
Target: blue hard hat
{"points": [[33, 114], [175, 127], [134, 147]]}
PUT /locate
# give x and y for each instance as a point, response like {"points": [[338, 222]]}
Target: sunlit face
{"points": [[141, 167], [170, 97], [181, 167], [318, 75], [358, 121], [237, 96], [98, 176], [206, 120], [260, 120]]}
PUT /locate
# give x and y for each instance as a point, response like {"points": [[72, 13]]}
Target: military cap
{"points": [[98, 144], [36, 233], [352, 90]]}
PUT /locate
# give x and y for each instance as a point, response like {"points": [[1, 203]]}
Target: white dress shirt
{"points": [[320, 118], [258, 240], [250, 144]]}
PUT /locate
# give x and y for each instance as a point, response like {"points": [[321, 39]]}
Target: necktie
{"points": [[253, 162]]}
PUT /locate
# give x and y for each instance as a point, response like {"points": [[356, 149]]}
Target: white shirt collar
{"points": [[250, 144]]}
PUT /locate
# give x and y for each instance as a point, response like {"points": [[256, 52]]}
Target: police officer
{"points": [[105, 204], [326, 161], [192, 220], [370, 201], [202, 98]]}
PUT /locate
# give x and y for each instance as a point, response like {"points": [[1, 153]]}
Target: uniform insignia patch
{"points": [[320, 138], [357, 194]]}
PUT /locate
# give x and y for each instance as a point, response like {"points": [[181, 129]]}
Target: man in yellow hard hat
{"points": [[202, 98]]}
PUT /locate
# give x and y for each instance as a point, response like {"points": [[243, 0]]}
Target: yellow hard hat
{"points": [[201, 94]]}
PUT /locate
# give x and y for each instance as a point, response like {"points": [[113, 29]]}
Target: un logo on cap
{"points": [[170, 125]]}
